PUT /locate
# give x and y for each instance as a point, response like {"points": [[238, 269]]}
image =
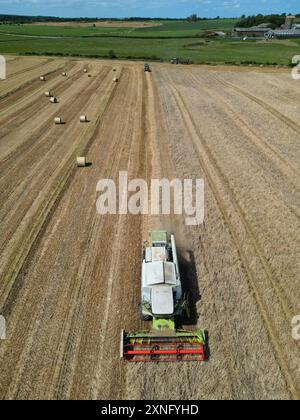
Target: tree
{"points": [[274, 21], [112, 54], [193, 18]]}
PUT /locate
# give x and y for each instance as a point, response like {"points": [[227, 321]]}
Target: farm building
{"points": [[284, 33], [288, 30], [289, 22], [255, 31]]}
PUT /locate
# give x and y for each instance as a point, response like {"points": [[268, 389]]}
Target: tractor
{"points": [[147, 68]]}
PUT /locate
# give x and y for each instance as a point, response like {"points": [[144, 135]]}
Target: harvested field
{"points": [[70, 279], [22, 73]]}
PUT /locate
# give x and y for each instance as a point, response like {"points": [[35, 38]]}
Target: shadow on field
{"points": [[190, 285]]}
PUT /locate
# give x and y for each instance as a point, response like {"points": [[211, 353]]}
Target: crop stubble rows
{"points": [[70, 278]]}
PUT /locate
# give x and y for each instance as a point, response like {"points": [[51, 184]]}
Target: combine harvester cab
{"points": [[163, 302]]}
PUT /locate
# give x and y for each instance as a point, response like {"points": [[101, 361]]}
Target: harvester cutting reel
{"points": [[164, 343]]}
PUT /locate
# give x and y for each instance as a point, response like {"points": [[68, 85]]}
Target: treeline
{"points": [[30, 19], [246, 21], [16, 19], [274, 21]]}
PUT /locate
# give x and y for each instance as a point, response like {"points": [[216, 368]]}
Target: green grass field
{"points": [[166, 29], [171, 39]]}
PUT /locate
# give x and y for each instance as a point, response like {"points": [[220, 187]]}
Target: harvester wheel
{"points": [[155, 356], [180, 356]]}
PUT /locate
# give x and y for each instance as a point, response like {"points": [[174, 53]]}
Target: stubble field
{"points": [[70, 278]]}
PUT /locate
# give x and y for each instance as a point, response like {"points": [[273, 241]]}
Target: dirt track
{"points": [[70, 279]]}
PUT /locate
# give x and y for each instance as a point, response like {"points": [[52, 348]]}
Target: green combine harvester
{"points": [[147, 68], [163, 302]]}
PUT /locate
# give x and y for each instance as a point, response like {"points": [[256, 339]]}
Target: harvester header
{"points": [[163, 302]]}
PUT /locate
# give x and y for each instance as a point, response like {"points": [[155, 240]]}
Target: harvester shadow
{"points": [[190, 285], [207, 348], [87, 165]]}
